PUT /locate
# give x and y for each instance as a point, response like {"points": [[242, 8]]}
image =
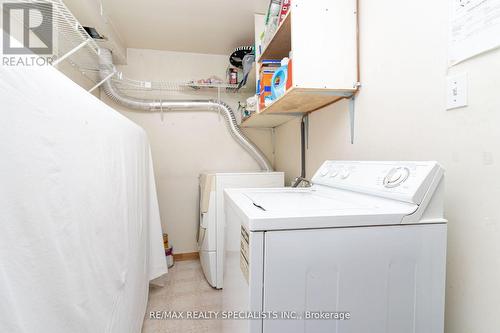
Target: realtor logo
{"points": [[28, 28]]}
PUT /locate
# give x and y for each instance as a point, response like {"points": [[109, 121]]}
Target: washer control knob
{"points": [[323, 172], [344, 173], [396, 177], [334, 173]]}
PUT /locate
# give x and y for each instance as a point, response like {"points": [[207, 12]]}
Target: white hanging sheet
{"points": [[80, 233]]}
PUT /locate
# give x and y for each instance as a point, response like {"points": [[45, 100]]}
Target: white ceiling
{"points": [[201, 26]]}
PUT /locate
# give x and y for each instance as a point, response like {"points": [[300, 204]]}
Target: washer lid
{"points": [[300, 201], [286, 208]]}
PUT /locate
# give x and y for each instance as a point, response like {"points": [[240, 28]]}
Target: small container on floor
{"points": [[170, 257]]}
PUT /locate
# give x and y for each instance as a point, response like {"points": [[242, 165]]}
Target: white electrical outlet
{"points": [[456, 91]]}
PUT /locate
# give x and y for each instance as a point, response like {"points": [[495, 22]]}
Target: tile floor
{"points": [[185, 290]]}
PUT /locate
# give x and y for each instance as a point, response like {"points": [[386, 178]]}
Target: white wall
{"points": [[400, 115], [186, 143]]}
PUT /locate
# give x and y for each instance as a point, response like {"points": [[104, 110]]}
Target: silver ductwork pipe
{"points": [[106, 67]]}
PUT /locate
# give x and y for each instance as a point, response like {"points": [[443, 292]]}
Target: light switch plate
{"points": [[456, 91]]}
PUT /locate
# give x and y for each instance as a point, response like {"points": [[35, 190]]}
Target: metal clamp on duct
{"points": [[106, 68]]}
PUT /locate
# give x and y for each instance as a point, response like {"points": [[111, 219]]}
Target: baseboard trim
{"points": [[186, 256]]}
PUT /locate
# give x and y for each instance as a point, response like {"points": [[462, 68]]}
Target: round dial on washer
{"points": [[344, 173], [396, 177], [334, 173]]}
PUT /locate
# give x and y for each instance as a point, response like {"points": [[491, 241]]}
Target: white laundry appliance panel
{"points": [[212, 233], [389, 279], [243, 291], [360, 245], [399, 180]]}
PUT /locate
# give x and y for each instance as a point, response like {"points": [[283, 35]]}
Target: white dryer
{"points": [[211, 231], [367, 241]]}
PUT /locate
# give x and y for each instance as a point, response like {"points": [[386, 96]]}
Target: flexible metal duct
{"points": [[106, 68]]}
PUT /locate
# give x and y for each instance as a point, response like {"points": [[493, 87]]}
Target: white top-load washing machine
{"points": [[362, 250], [211, 232]]}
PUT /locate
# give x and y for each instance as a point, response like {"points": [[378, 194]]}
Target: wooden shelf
{"points": [[303, 100], [322, 73], [265, 120], [293, 103], [281, 43]]}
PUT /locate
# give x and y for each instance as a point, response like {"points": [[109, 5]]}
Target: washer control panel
{"points": [[402, 180]]}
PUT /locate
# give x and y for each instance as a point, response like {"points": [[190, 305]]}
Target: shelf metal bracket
{"points": [[70, 53], [101, 82], [306, 128], [333, 93], [273, 140], [352, 102]]}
